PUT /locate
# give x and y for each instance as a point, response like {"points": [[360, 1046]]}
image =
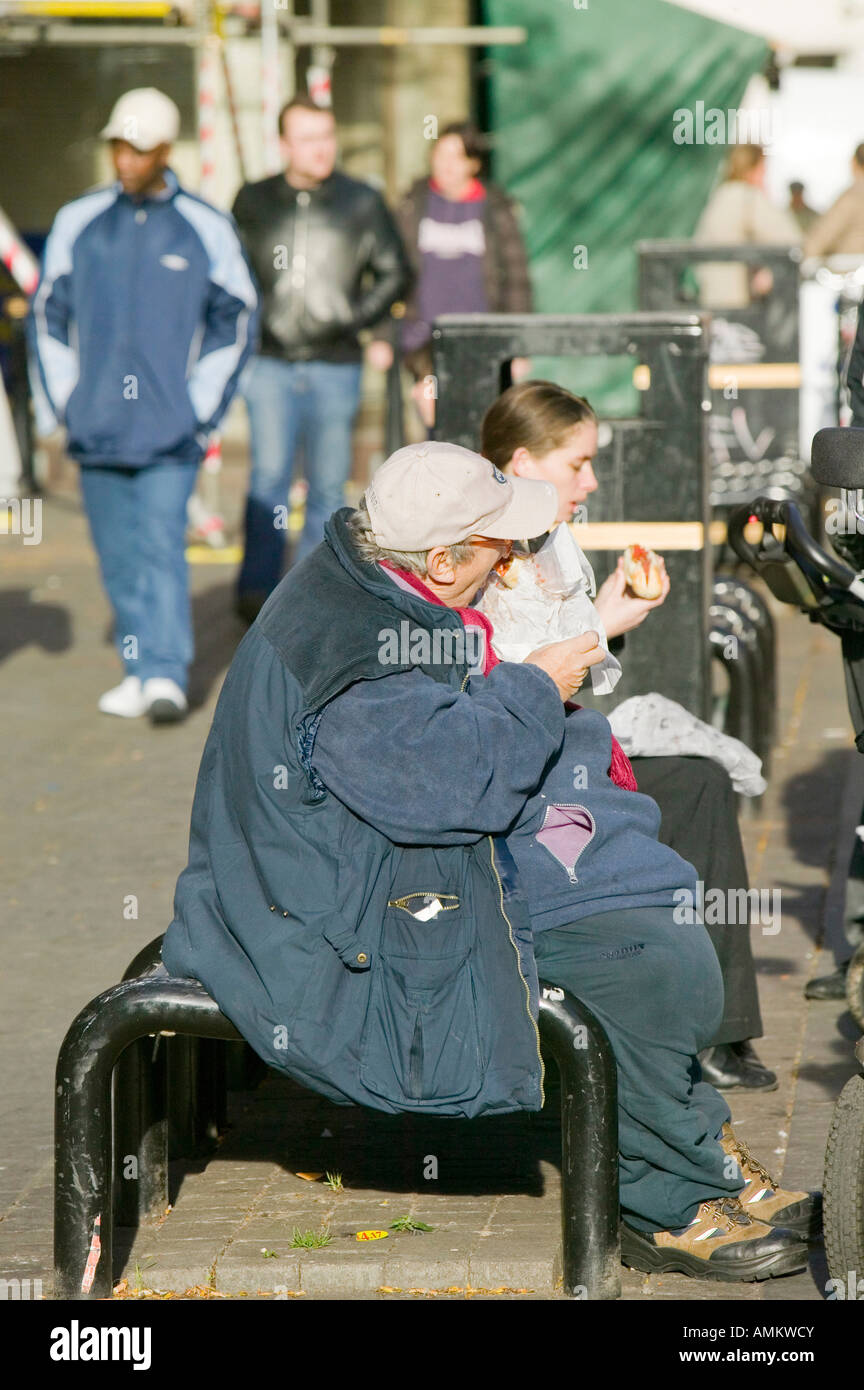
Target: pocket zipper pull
{"points": [[429, 911]]}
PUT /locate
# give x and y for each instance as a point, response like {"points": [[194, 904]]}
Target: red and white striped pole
{"points": [[208, 80], [17, 258], [319, 81], [271, 86], [204, 511]]}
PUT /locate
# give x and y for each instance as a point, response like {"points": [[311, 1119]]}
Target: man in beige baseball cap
{"points": [[448, 515], [434, 493], [365, 865]]}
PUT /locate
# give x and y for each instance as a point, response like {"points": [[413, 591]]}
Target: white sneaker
{"points": [[164, 701], [126, 699]]}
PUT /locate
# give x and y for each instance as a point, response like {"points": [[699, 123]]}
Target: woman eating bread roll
{"points": [[537, 429]]}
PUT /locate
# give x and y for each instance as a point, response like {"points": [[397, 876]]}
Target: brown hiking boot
{"points": [[765, 1200], [722, 1242]]}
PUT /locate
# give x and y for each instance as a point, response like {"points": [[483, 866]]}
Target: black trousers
{"points": [[700, 822]]}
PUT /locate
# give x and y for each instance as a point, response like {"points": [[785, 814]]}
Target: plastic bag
{"points": [[550, 601], [649, 726]]}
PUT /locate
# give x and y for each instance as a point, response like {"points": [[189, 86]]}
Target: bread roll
{"points": [[508, 570], [643, 572]]}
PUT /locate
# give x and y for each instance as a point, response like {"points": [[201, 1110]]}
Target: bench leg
{"points": [[589, 1146], [83, 1215], [83, 1132], [140, 1133]]}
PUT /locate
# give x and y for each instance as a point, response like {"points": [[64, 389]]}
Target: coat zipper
{"points": [[571, 806], [519, 968], [426, 893]]}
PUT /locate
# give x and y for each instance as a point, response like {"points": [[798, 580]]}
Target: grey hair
{"points": [[368, 549]]}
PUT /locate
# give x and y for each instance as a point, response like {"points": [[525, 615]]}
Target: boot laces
{"points": [[727, 1212], [746, 1158]]}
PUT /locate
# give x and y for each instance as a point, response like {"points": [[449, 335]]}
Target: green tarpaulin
{"points": [[583, 117]]}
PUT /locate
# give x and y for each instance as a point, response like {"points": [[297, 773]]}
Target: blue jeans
{"points": [[138, 522], [294, 404]]}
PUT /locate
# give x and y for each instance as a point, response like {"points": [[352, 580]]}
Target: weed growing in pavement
{"points": [[407, 1223], [310, 1240]]}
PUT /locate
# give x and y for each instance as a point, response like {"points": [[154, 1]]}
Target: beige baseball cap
{"points": [[145, 118], [438, 494]]}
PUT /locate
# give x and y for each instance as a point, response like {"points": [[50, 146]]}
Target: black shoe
{"points": [[828, 986], [722, 1243], [248, 604], [746, 1052], [735, 1067]]}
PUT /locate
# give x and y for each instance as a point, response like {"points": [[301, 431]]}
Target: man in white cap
{"points": [[388, 824], [143, 319]]}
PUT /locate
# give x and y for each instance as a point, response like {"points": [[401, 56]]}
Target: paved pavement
{"points": [[96, 827]]}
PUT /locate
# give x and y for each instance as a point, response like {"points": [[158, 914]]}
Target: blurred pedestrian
{"points": [[800, 209], [140, 326], [840, 230], [466, 248], [740, 212], [329, 261]]}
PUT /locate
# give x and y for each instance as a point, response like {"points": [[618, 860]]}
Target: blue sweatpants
{"points": [[657, 990]]}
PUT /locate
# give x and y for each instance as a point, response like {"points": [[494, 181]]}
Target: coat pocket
{"points": [[421, 1042]]}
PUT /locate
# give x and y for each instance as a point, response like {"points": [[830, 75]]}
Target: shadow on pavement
{"points": [[810, 806], [24, 623], [218, 632], [832, 1074]]}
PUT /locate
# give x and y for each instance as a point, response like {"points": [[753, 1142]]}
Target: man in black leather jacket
{"points": [[329, 262]]}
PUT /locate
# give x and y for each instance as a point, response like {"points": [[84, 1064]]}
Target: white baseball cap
{"points": [[145, 118], [438, 494]]}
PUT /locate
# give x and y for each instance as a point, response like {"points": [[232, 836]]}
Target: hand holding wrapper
{"points": [[546, 598]]}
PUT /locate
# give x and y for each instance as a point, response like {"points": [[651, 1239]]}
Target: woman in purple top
{"points": [[464, 242]]}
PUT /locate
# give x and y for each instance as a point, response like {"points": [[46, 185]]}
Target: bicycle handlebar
{"points": [[799, 544]]}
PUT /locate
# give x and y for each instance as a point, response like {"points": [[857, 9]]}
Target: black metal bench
{"points": [[117, 1026]]}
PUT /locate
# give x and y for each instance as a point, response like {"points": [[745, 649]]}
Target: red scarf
{"points": [[620, 769], [474, 193]]}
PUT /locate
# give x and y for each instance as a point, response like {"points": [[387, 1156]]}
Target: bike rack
{"points": [[134, 1017], [740, 663], [752, 713], [751, 605]]}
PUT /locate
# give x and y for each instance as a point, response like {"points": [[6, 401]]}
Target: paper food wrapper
{"points": [[550, 601]]}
